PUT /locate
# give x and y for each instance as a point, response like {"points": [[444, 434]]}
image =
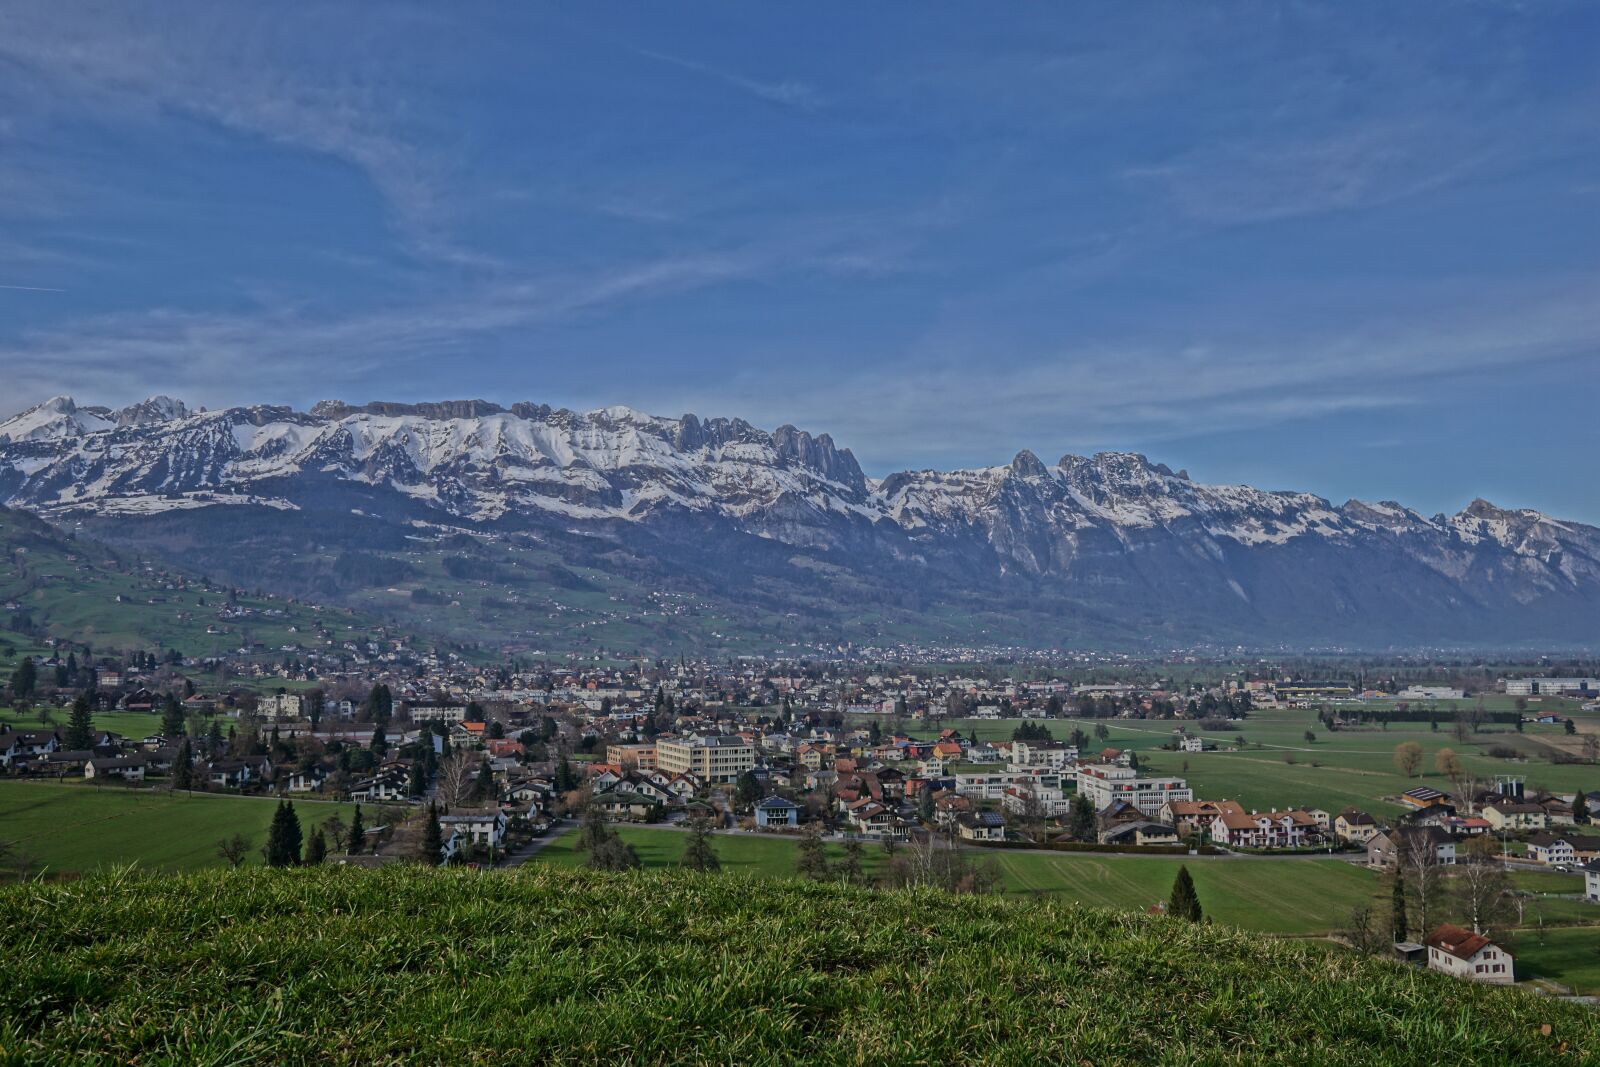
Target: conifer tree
{"points": [[1397, 906], [171, 718], [485, 784], [565, 780], [358, 833], [1080, 820], [316, 848], [283, 838], [1185, 903], [24, 679], [432, 847], [183, 767], [80, 726], [1580, 808]]}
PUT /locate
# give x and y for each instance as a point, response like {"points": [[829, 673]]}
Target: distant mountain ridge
{"points": [[1119, 537]]}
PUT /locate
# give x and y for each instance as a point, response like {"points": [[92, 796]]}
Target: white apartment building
{"points": [[1053, 800], [437, 712], [278, 706], [1103, 784], [1532, 687], [993, 786], [1052, 754]]}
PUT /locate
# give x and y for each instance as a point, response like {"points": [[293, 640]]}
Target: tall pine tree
{"points": [[358, 834], [80, 726], [183, 767], [1398, 924], [284, 837], [171, 718], [1580, 808], [1185, 903], [24, 679], [316, 847], [432, 847]]}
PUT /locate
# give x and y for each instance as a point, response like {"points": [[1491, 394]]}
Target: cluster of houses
{"points": [[44, 753]]}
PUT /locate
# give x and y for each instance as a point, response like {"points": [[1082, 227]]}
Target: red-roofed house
{"points": [[1453, 950]]}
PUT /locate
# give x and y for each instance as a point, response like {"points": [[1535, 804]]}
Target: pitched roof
{"points": [[1460, 943]]}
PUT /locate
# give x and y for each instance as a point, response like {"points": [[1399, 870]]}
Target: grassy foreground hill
{"points": [[552, 966]]}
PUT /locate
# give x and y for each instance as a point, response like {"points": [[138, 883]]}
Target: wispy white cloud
{"points": [[126, 64], [787, 93], [226, 358], [965, 405]]}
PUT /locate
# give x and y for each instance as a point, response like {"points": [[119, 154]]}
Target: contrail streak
{"points": [[33, 288]]}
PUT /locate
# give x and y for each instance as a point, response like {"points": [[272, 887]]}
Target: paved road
{"points": [[537, 845]]}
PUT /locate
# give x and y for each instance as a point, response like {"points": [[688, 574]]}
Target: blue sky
{"points": [[1350, 248]]}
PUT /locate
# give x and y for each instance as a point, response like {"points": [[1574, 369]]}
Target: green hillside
{"points": [[76, 589], [79, 826], [553, 966]]}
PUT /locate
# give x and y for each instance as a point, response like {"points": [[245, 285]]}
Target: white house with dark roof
{"points": [[1464, 954]]}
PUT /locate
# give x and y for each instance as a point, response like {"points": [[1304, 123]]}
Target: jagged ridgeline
{"points": [[778, 536], [411, 965]]}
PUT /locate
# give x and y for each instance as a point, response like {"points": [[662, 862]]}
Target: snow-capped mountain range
{"points": [[1109, 526]]}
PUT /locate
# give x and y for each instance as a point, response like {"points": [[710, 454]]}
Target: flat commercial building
{"points": [[1532, 687], [715, 759]]}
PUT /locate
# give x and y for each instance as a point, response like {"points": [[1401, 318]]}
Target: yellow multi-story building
{"points": [[641, 756], [715, 759]]}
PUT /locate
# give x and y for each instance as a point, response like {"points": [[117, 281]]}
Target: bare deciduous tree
{"points": [[1365, 932], [457, 779], [234, 849], [1419, 859], [1481, 887], [1408, 757]]}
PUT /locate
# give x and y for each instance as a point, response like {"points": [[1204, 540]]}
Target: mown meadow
{"points": [[544, 965]]}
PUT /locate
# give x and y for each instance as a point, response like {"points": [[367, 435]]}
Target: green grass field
{"points": [[1274, 896], [557, 966], [761, 855], [1569, 955], [77, 826], [1350, 767]]}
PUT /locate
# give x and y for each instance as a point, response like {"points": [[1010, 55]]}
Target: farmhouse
{"points": [[1464, 954], [1388, 847], [128, 768]]}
